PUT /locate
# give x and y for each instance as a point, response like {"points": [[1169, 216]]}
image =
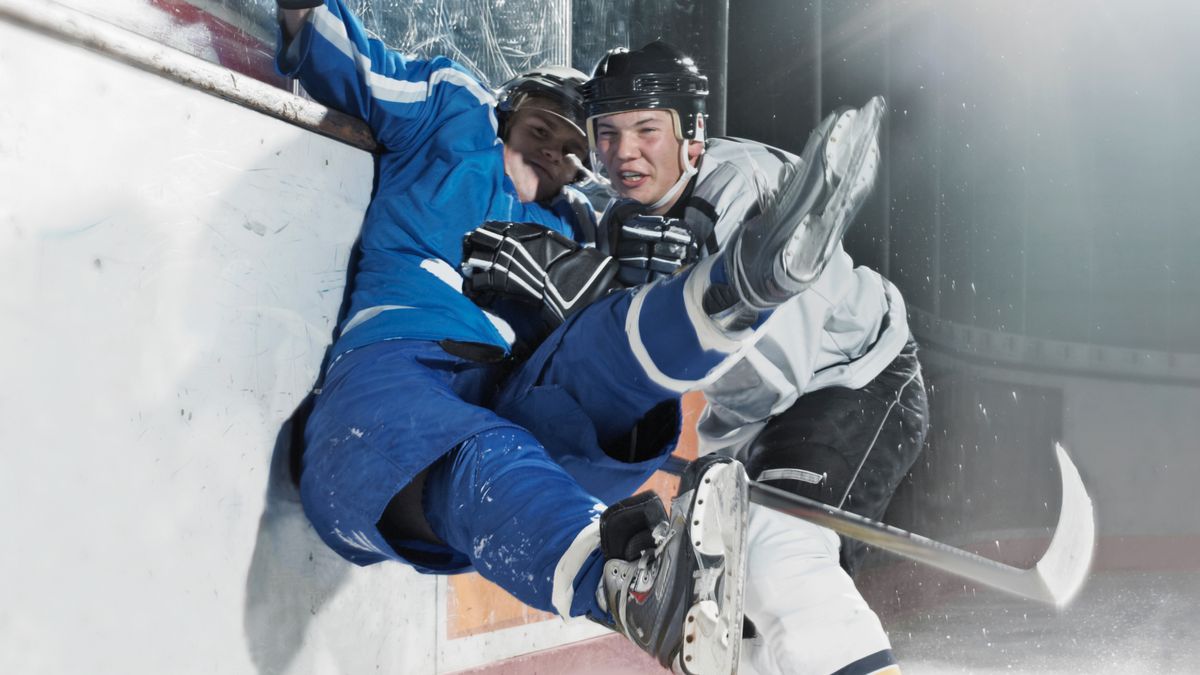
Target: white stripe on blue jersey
{"points": [[440, 175], [385, 88]]}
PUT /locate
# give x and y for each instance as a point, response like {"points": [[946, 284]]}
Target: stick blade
{"points": [[1065, 566]]}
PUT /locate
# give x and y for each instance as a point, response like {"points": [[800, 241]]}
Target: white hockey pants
{"points": [[809, 615]]}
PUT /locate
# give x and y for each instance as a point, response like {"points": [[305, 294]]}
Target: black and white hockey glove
{"points": [[299, 4], [648, 247], [531, 263]]}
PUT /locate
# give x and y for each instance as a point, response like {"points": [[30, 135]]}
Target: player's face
{"points": [[640, 152], [535, 152]]}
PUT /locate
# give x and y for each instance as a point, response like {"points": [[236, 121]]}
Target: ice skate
{"points": [[674, 585], [782, 251]]}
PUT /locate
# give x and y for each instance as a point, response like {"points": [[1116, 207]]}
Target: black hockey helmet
{"points": [[558, 85], [656, 76]]}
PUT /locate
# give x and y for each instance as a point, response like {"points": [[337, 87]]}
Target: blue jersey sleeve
{"points": [[402, 99]]}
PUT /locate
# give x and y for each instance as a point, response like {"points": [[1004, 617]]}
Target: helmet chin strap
{"points": [[688, 171], [589, 175]]}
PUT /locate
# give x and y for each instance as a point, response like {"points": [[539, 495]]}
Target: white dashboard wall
{"points": [[171, 266]]}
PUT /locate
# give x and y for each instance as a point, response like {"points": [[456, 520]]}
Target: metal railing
{"points": [[74, 27]]}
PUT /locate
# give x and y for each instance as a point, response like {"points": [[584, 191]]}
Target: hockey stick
{"points": [[1055, 579]]}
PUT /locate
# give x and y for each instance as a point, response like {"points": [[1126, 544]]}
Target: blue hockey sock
{"points": [[587, 585], [717, 274], [671, 338], [722, 304], [501, 500]]}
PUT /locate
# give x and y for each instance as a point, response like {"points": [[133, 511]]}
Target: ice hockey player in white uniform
{"points": [[829, 401]]}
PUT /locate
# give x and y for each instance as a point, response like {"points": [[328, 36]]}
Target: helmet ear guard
{"points": [[700, 127]]}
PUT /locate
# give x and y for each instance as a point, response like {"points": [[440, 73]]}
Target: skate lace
{"points": [[649, 566], [662, 533], [705, 582]]}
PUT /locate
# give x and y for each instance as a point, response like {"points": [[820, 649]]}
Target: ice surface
{"points": [[1122, 622]]}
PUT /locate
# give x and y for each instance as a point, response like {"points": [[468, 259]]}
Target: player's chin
{"points": [[643, 193], [548, 187]]}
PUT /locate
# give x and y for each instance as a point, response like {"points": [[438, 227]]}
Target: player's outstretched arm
{"points": [[402, 99]]}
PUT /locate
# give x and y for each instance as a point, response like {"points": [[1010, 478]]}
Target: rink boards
{"points": [[173, 265]]}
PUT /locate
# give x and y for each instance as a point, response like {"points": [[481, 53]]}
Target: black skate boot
{"points": [[674, 585], [782, 251]]}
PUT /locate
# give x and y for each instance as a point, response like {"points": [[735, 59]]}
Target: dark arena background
{"points": [[177, 220]]}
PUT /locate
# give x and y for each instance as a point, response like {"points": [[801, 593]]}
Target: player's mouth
{"points": [[632, 179], [542, 172]]}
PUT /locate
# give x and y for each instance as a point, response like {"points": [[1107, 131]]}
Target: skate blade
{"points": [[712, 630], [853, 141]]}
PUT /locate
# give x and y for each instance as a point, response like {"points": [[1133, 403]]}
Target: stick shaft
{"points": [[1024, 582]]}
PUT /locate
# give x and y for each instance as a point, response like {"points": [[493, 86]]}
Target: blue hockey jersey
{"points": [[440, 175]]}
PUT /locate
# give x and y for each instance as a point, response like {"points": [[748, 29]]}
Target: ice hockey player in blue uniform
{"points": [[828, 400], [428, 443]]}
